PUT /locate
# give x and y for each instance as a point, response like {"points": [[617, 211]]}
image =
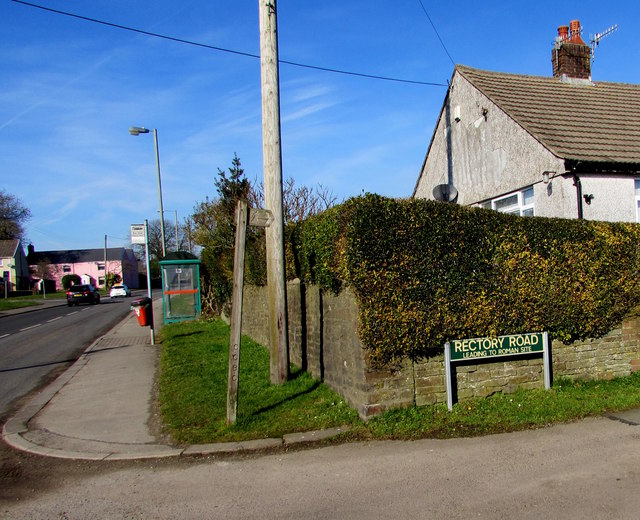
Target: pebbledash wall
{"points": [[323, 340]]}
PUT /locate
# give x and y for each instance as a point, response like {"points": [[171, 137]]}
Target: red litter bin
{"points": [[143, 311]]}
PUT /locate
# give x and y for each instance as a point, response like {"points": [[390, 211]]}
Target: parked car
{"points": [[119, 290], [78, 294]]}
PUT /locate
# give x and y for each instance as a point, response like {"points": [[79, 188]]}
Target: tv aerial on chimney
{"points": [[595, 40]]}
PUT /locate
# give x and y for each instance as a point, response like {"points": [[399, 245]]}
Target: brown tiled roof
{"points": [[8, 248], [598, 122]]}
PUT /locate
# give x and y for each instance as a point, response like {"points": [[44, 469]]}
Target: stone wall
{"points": [[322, 335], [323, 340]]}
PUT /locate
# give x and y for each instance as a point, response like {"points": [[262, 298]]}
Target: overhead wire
{"points": [[230, 51], [436, 31]]}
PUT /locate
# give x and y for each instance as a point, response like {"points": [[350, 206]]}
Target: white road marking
{"points": [[32, 327], [54, 319], [4, 336]]}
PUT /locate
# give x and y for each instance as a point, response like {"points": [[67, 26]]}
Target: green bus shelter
{"points": [[180, 287]]}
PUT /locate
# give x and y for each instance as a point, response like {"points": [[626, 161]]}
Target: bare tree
{"points": [[43, 270], [13, 215], [299, 202]]}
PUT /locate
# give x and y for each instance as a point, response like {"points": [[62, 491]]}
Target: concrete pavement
{"points": [[101, 407]]}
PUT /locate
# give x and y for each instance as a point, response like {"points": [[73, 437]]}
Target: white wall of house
{"points": [[490, 154], [558, 198], [485, 155], [613, 200]]}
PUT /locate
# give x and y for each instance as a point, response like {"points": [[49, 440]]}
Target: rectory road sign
{"points": [[495, 347], [489, 349]]}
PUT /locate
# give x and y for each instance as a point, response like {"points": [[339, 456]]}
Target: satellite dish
{"points": [[445, 193]]}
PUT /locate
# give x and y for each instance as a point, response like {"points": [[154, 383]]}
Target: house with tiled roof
{"points": [[13, 267], [557, 146], [88, 264]]}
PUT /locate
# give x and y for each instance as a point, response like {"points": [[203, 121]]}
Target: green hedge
{"points": [[425, 272]]}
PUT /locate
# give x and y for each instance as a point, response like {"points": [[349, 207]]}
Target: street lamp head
{"points": [[137, 130]]}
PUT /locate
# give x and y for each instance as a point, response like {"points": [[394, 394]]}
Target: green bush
{"points": [[70, 279], [426, 272]]}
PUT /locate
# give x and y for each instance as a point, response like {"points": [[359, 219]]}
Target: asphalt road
{"points": [[587, 469], [36, 346]]}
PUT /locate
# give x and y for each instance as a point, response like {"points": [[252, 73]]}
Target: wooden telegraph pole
{"points": [[272, 160]]}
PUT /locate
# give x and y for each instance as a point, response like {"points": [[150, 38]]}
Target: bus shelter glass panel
{"points": [[180, 292]]}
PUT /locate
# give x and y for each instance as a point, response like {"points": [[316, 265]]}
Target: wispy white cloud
{"points": [[305, 111]]}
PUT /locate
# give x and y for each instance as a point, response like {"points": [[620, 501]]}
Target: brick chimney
{"points": [[571, 57]]}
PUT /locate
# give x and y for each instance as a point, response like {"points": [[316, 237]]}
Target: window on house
{"points": [[519, 203], [100, 266], [637, 200], [66, 268]]}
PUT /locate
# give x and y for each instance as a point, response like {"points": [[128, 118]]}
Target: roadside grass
{"points": [[193, 386], [193, 390], [566, 401], [18, 302]]}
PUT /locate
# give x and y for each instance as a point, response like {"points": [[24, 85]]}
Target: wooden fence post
{"points": [[236, 311]]}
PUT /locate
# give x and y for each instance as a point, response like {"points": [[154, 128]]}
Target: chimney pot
{"points": [[575, 32], [563, 33]]}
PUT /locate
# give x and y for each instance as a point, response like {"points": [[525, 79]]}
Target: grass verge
{"points": [[193, 390], [18, 302], [193, 386]]}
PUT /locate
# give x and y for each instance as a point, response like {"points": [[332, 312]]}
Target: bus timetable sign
{"points": [[488, 349], [138, 235]]}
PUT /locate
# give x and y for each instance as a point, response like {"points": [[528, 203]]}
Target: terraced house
{"points": [[557, 146], [88, 264]]}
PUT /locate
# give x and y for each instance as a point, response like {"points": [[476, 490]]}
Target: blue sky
{"points": [[70, 90]]}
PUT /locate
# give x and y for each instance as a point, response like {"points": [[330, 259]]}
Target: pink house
{"points": [[88, 264]]}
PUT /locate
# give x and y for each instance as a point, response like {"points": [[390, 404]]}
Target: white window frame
{"points": [[637, 198], [519, 207]]}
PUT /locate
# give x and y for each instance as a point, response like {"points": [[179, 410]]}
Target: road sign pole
{"points": [[146, 250], [447, 375], [546, 360]]}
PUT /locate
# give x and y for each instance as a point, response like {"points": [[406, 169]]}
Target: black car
{"points": [[78, 294]]}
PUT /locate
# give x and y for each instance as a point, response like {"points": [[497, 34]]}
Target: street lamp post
{"points": [[137, 130]]}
